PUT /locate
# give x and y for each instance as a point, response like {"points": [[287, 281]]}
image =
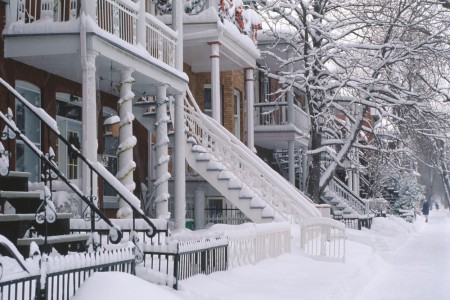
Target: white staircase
{"points": [[231, 168], [239, 174], [343, 201]]}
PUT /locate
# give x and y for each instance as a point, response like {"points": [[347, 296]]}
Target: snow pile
{"points": [[117, 285]]}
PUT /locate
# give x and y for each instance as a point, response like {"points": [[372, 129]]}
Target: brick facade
{"points": [[230, 81]]}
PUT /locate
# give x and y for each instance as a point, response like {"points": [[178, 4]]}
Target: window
{"points": [[68, 118], [30, 126]]}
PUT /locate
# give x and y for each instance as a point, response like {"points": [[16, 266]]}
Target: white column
{"points": [[162, 157], [350, 179], [180, 158], [180, 137], [215, 81], [199, 209], [127, 141], [304, 167], [177, 21], [89, 117], [250, 99], [290, 119], [291, 161]]}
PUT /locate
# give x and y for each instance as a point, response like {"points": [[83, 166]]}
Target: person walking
{"points": [[426, 210]]}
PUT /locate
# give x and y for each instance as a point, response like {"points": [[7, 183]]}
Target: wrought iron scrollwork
{"points": [[49, 174], [115, 235], [88, 215], [138, 253], [4, 161], [46, 211], [7, 132]]}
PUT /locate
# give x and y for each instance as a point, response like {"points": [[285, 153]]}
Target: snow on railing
{"points": [[54, 264], [275, 113], [160, 41], [252, 243], [337, 188], [124, 19], [284, 198], [323, 239]]}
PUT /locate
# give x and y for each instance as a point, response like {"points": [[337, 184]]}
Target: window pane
{"points": [[29, 125]]}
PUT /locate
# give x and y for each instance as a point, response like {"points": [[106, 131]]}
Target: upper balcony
{"points": [[50, 35], [272, 129], [225, 22]]}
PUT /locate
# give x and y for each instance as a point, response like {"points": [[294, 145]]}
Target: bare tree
{"points": [[358, 58]]}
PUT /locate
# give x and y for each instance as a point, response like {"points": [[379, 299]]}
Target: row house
{"points": [[114, 74]]}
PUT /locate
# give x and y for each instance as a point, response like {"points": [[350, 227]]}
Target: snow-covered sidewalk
{"points": [[393, 260], [420, 269]]}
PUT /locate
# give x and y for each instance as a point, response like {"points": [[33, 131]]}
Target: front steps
{"points": [[23, 227], [225, 182]]}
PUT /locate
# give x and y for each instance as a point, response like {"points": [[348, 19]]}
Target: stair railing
{"points": [[286, 200], [95, 167], [343, 192]]}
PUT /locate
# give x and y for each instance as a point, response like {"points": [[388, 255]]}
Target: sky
{"points": [[393, 260]]}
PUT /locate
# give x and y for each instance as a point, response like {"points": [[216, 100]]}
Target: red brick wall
{"points": [[230, 81]]}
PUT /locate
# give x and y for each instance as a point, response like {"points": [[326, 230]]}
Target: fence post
{"points": [[176, 264]]}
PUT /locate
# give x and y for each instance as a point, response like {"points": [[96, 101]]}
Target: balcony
{"points": [[273, 131], [50, 34], [216, 21]]}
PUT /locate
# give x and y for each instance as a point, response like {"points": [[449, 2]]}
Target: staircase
{"points": [[344, 203], [26, 224], [231, 168], [34, 217]]}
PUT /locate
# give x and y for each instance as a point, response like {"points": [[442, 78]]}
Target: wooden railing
{"points": [[275, 113], [323, 239], [284, 198], [124, 19]]}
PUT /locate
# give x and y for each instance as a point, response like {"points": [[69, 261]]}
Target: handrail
{"points": [[279, 194], [126, 195], [348, 195], [264, 112], [124, 19]]}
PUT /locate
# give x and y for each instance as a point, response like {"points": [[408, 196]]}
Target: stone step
{"points": [[62, 243], [23, 202], [15, 181]]}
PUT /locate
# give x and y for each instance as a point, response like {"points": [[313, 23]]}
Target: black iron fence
{"points": [[21, 289], [187, 259], [63, 285]]}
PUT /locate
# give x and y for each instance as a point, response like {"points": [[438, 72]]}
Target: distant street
{"points": [[420, 269]]}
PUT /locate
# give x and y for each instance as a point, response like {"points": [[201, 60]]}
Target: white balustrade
{"points": [[122, 18], [339, 189], [323, 238], [274, 113], [286, 200]]}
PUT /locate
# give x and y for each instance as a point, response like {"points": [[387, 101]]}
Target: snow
{"points": [[393, 260], [116, 285]]}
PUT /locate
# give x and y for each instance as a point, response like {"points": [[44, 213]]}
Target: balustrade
{"points": [[123, 19]]}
